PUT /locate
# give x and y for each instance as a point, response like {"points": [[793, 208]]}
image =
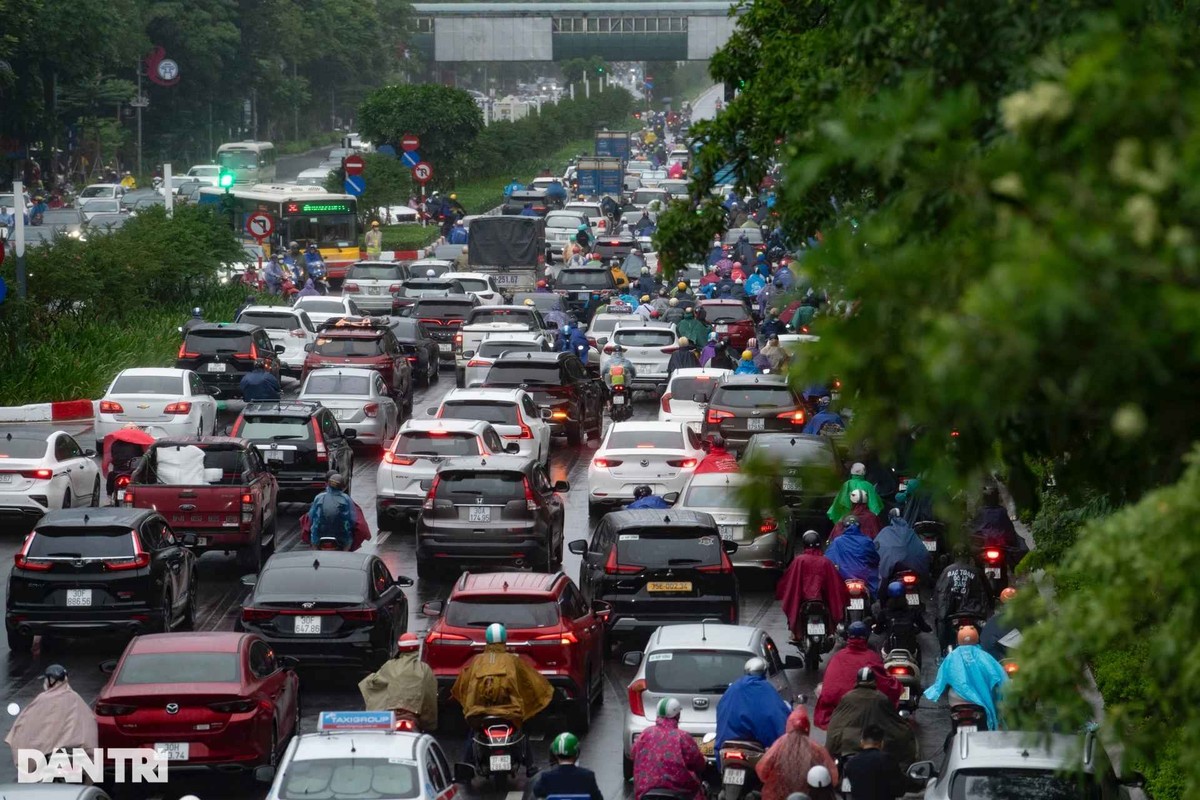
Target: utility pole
{"points": [[19, 237], [140, 104], [295, 107]]}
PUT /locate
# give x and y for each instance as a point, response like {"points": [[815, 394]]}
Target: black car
{"points": [[419, 347], [414, 289], [301, 442], [577, 285], [811, 474], [443, 317], [491, 510], [534, 198], [328, 608], [616, 245], [222, 353], [99, 570], [558, 382], [659, 568]]}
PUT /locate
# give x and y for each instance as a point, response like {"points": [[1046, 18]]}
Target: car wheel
{"points": [[188, 623], [95, 503], [67, 499], [382, 523], [273, 753], [627, 764], [581, 711], [165, 625], [200, 428], [426, 569], [271, 532], [19, 642], [575, 434], [435, 371]]}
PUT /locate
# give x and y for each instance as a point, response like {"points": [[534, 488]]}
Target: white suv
{"points": [[290, 327], [511, 412], [648, 348]]}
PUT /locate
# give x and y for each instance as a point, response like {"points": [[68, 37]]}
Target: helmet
{"points": [[375, 223], [755, 666], [865, 676], [811, 539], [682, 286], [712, 337], [747, 355], [408, 642], [669, 707], [566, 329], [895, 589], [55, 673], [858, 469], [858, 630], [683, 341], [645, 270], [496, 634], [819, 777], [642, 491], [857, 496], [737, 265], [565, 745], [197, 312], [1007, 593], [540, 285], [429, 273], [645, 299], [738, 281], [293, 244], [583, 227], [967, 635], [529, 302], [673, 302], [453, 196], [712, 267], [618, 348], [336, 481]]}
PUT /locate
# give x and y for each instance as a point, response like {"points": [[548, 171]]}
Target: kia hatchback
{"points": [[648, 348], [688, 392], [744, 405]]}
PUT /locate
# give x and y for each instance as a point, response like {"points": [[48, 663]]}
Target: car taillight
{"points": [[251, 356], [602, 224], [435, 637], [1010, 666], [395, 287], [185, 353], [606, 463], [257, 614], [458, 340], [349, 287], [22, 561], [899, 671], [113, 710], [37, 474], [405, 725], [564, 638], [371, 409], [428, 504], [795, 417], [247, 508], [233, 706], [768, 525], [671, 348], [856, 587], [611, 567], [140, 560], [608, 349], [715, 416], [665, 402], [322, 452], [178, 408], [478, 362], [991, 555], [390, 457], [109, 407], [682, 463], [358, 614], [724, 568], [636, 707], [531, 502], [431, 321], [296, 333]]}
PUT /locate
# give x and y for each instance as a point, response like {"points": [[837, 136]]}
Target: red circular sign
{"points": [[409, 142], [422, 172], [353, 165], [260, 225]]}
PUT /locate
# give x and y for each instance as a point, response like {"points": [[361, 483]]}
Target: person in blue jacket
{"points": [[824, 416], [332, 514], [514, 186], [747, 366], [260, 385], [855, 556], [751, 709], [574, 341], [458, 234], [644, 497]]}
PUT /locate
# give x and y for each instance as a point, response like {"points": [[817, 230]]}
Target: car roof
{"points": [[450, 425], [645, 425], [336, 559], [750, 380], [188, 642], [105, 516], [208, 327], [288, 408], [533, 358], [158, 372], [501, 463], [1015, 750], [474, 275], [352, 332], [353, 372], [693, 372], [492, 583], [495, 395], [317, 298], [358, 744], [658, 518], [288, 310], [706, 636]]}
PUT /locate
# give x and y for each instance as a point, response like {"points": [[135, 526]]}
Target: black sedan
{"points": [[328, 608], [419, 348], [99, 570]]}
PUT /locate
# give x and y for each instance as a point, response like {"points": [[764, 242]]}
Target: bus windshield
{"points": [[238, 159], [333, 230]]}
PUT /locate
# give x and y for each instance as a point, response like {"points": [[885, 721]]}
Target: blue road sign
{"points": [[648, 84], [3, 290], [410, 158], [354, 184], [386, 150]]}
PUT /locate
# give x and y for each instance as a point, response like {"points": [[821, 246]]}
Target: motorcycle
{"points": [[328, 543], [995, 568], [967, 718], [739, 757], [912, 587], [933, 536], [122, 450], [622, 408], [901, 665], [817, 638], [498, 749], [406, 720], [859, 605]]}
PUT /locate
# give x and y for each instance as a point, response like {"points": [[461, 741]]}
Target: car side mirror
{"points": [[562, 486], [468, 354], [280, 348], [632, 658], [308, 347], [602, 609], [249, 581], [512, 448], [350, 434], [89, 453], [463, 773], [213, 392], [729, 547], [403, 581], [578, 546], [671, 497], [431, 411], [545, 413], [108, 667], [264, 773], [432, 608], [922, 771]]}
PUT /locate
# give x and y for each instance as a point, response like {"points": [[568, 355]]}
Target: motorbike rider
{"points": [[867, 521], [716, 457], [893, 614], [993, 527], [820, 783], [811, 576], [866, 705], [645, 282], [784, 768], [962, 588], [693, 328], [332, 514], [197, 318], [855, 556], [57, 718], [618, 359], [644, 497], [900, 548], [1000, 632], [574, 341], [746, 365], [260, 385], [751, 709], [843, 670], [665, 757], [857, 480], [722, 359], [873, 773], [583, 237], [404, 684], [674, 314], [497, 683], [683, 358], [825, 420], [971, 676], [274, 274], [565, 777]]}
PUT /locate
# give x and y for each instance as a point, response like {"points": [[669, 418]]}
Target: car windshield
{"points": [[360, 348], [177, 667], [668, 548], [726, 313], [96, 191], [81, 543], [310, 305], [102, 205], [641, 338], [374, 272], [204, 172], [585, 279], [687, 388], [497, 413], [441, 310], [470, 487], [694, 671], [512, 613], [754, 397], [646, 440], [543, 300], [1019, 783], [437, 443], [306, 583], [365, 778], [491, 349], [355, 385], [207, 343], [270, 321], [21, 447], [515, 373], [714, 495], [275, 428], [148, 384]]}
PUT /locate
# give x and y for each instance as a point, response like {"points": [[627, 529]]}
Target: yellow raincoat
{"points": [[405, 683], [498, 683]]}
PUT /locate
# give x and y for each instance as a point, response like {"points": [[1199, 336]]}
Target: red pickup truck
{"points": [[215, 491]]}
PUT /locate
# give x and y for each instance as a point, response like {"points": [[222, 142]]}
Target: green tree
{"points": [[446, 119], [574, 70], [388, 183]]}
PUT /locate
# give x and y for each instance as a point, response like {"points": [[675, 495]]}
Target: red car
{"points": [[363, 343], [548, 623], [730, 320], [205, 700]]}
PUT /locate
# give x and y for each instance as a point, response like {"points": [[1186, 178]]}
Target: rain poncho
{"points": [[134, 439], [332, 514], [308, 291], [854, 555], [974, 675], [710, 350], [498, 683], [841, 503], [865, 706], [900, 548], [841, 675], [823, 418], [784, 768], [665, 757], [652, 501], [747, 366], [868, 523], [751, 709], [683, 358], [56, 718], [361, 532], [755, 283], [693, 329], [405, 683], [811, 576]]}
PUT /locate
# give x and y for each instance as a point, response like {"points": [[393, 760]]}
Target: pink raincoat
{"points": [[665, 757]]}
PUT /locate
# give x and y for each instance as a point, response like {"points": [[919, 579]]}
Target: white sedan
{"points": [[40, 472], [160, 400], [679, 403], [359, 400], [642, 453], [324, 308]]}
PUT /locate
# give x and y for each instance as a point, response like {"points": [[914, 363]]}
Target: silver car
{"points": [[768, 545], [370, 284], [561, 227], [695, 664], [480, 361], [359, 401]]}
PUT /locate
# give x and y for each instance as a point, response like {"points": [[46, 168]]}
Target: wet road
{"points": [[221, 595]]}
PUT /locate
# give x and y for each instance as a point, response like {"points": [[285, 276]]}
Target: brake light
{"points": [[371, 409], [113, 710], [899, 671], [257, 614], [140, 560], [38, 474], [296, 333], [530, 501], [109, 407], [671, 348], [349, 287], [178, 408], [395, 287], [908, 579], [390, 457], [991, 555], [428, 504], [458, 340], [247, 508], [405, 725], [431, 321], [611, 567], [358, 614], [564, 638], [1010, 666], [252, 355], [233, 706], [322, 452], [724, 568], [733, 755], [478, 362], [665, 402], [608, 349], [129, 498], [795, 417], [768, 525], [636, 707], [715, 416], [837, 384], [682, 463], [185, 353], [446, 638], [412, 359], [123, 481], [606, 463], [855, 586], [22, 561]]}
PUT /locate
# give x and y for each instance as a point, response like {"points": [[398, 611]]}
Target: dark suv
{"points": [[223, 353], [744, 405], [811, 474], [491, 510], [443, 318], [659, 568], [578, 284], [364, 342], [558, 382], [301, 442]]}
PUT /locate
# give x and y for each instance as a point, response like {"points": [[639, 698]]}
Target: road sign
{"points": [[410, 158], [648, 82], [260, 226], [3, 285], [354, 184], [409, 142], [353, 165], [422, 172]]}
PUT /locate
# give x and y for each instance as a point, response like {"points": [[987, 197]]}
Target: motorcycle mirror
{"points": [[13, 709]]}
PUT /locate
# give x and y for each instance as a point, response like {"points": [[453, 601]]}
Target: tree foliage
{"points": [[446, 119], [388, 183]]}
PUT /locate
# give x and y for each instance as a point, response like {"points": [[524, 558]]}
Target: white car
{"points": [[561, 227], [312, 177], [421, 267], [479, 284], [512, 412], [93, 207], [593, 212], [678, 403], [104, 191], [162, 401], [481, 359], [40, 472], [359, 400], [205, 173], [601, 328], [290, 327], [634, 454], [323, 309], [648, 348], [768, 545]]}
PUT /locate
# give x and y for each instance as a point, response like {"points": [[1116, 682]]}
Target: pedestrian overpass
{"points": [[556, 30]]}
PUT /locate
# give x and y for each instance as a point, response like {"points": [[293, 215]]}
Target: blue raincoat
{"points": [[745, 367], [813, 426], [575, 339], [899, 544], [751, 709], [755, 283], [855, 556], [975, 676], [653, 501]]}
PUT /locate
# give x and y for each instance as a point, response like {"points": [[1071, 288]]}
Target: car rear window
{"points": [[311, 584], [148, 384], [437, 443], [441, 310], [585, 279], [468, 487], [179, 668], [515, 373], [726, 313], [603, 325], [87, 543], [474, 284], [19, 447], [497, 413], [374, 272], [713, 495], [668, 548], [349, 777], [275, 428], [422, 270], [642, 196], [982, 784], [428, 289], [563, 221], [490, 349], [754, 397], [510, 315], [753, 235], [794, 451], [642, 338], [342, 346], [322, 306], [338, 384], [511, 613], [208, 343], [687, 388], [272, 322], [646, 440], [694, 671]]}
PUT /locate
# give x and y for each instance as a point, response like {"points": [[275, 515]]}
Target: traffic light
{"points": [[600, 69], [225, 180]]}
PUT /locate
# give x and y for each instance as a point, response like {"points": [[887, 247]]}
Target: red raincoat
{"points": [[718, 459], [811, 576], [842, 674], [867, 522]]}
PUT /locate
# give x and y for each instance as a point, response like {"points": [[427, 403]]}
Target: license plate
{"points": [[992, 572], [967, 728], [722, 329], [754, 424], [216, 367], [479, 514], [856, 603], [372, 290], [445, 348], [905, 693], [79, 597], [503, 279], [645, 369], [120, 495], [340, 413], [308, 625], [816, 629], [791, 484], [930, 545], [618, 399], [845, 786], [914, 599], [734, 777], [500, 763], [727, 531], [172, 751], [669, 586], [6, 478]]}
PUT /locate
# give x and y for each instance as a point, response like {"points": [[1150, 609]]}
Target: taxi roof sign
{"points": [[356, 721]]}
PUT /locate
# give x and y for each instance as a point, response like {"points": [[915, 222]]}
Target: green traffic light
{"points": [[225, 180]]}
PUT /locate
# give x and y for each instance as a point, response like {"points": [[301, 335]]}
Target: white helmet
{"points": [[859, 469], [429, 273], [857, 496], [755, 666], [670, 708], [819, 777]]}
